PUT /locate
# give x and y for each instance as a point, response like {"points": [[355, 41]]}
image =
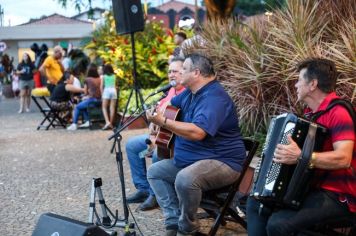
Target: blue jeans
{"points": [[134, 146], [179, 191], [82, 108], [317, 208]]}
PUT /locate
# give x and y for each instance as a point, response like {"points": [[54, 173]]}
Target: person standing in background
{"points": [[52, 68], [179, 38], [25, 71], [109, 95]]}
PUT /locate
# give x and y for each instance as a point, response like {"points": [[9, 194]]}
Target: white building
{"points": [[50, 30], [93, 15]]}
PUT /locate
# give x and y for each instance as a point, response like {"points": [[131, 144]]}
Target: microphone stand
{"points": [[119, 160]]}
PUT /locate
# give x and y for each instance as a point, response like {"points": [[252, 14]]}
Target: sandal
{"points": [[107, 127]]}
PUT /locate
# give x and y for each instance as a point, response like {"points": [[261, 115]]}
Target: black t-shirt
{"points": [[29, 67], [60, 94]]}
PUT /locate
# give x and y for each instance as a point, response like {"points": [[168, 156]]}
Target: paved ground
{"points": [[50, 171]]}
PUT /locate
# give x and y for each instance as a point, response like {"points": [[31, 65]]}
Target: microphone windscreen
{"points": [[148, 141], [173, 83]]}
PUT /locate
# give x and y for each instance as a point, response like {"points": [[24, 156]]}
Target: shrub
{"points": [[153, 46], [255, 60]]}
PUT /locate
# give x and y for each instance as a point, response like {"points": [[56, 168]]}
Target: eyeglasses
{"points": [[173, 71]]}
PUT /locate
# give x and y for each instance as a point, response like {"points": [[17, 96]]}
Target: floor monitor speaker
{"points": [[51, 224]]}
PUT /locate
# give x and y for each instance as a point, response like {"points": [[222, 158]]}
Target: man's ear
{"points": [[196, 72], [314, 84]]}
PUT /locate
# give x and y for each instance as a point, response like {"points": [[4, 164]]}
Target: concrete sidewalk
{"points": [[51, 171]]}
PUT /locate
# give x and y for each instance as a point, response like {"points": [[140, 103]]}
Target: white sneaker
{"points": [[72, 127], [85, 125], [28, 110]]}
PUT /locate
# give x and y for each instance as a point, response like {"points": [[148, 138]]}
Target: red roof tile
{"points": [[56, 19], [175, 5]]}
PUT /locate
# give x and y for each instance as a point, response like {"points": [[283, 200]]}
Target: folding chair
{"points": [[95, 114], [51, 115], [217, 203]]}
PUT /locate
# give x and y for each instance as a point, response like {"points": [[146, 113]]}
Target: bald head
{"points": [[57, 52]]}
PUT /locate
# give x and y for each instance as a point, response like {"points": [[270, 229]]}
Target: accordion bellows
{"points": [[280, 184]]}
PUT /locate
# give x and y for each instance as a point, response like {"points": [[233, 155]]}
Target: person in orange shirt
{"points": [[52, 68]]}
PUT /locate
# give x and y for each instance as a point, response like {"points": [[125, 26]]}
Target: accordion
{"points": [[284, 185]]}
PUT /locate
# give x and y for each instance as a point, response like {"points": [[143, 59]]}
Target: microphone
{"points": [[148, 141], [164, 88]]}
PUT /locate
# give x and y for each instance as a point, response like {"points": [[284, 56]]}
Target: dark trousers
{"points": [[50, 87], [318, 208]]}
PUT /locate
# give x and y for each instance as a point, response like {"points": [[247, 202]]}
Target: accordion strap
{"points": [[350, 109], [342, 102]]}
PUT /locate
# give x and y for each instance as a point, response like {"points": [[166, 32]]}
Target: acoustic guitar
{"points": [[165, 138]]}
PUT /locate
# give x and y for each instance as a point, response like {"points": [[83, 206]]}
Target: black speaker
{"points": [[55, 225], [128, 16]]}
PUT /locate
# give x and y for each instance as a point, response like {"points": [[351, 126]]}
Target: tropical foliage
{"points": [[153, 46], [256, 60]]}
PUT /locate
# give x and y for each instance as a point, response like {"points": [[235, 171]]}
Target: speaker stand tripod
{"points": [[140, 103], [106, 221]]}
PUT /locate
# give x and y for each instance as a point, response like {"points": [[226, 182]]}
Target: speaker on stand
{"points": [[128, 15], [129, 19]]}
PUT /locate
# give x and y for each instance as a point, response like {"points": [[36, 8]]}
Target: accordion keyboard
{"points": [[276, 167]]}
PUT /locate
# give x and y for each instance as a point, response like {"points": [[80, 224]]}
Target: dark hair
{"points": [[44, 47], [35, 48], [182, 35], [92, 71], [174, 59], [108, 70], [29, 59], [202, 63], [66, 75], [322, 70]]}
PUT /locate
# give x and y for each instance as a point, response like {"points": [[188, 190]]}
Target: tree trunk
{"points": [[219, 9]]}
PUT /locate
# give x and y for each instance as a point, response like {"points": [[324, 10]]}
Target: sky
{"points": [[21, 11]]}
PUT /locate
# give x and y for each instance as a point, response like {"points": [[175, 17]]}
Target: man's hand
{"points": [[287, 154], [155, 117], [153, 129]]}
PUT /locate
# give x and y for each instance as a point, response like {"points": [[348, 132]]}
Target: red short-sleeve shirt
{"points": [[341, 127]]}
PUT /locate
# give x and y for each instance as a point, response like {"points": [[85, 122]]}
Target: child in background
{"points": [[109, 95], [15, 85]]}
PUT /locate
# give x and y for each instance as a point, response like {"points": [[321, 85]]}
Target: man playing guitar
{"points": [[137, 144], [208, 148]]}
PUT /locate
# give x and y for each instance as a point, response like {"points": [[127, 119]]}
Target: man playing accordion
{"points": [[333, 196]]}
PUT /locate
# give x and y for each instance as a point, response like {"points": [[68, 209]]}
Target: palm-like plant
{"points": [[256, 60]]}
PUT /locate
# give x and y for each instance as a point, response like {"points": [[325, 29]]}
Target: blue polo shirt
{"points": [[211, 109]]}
